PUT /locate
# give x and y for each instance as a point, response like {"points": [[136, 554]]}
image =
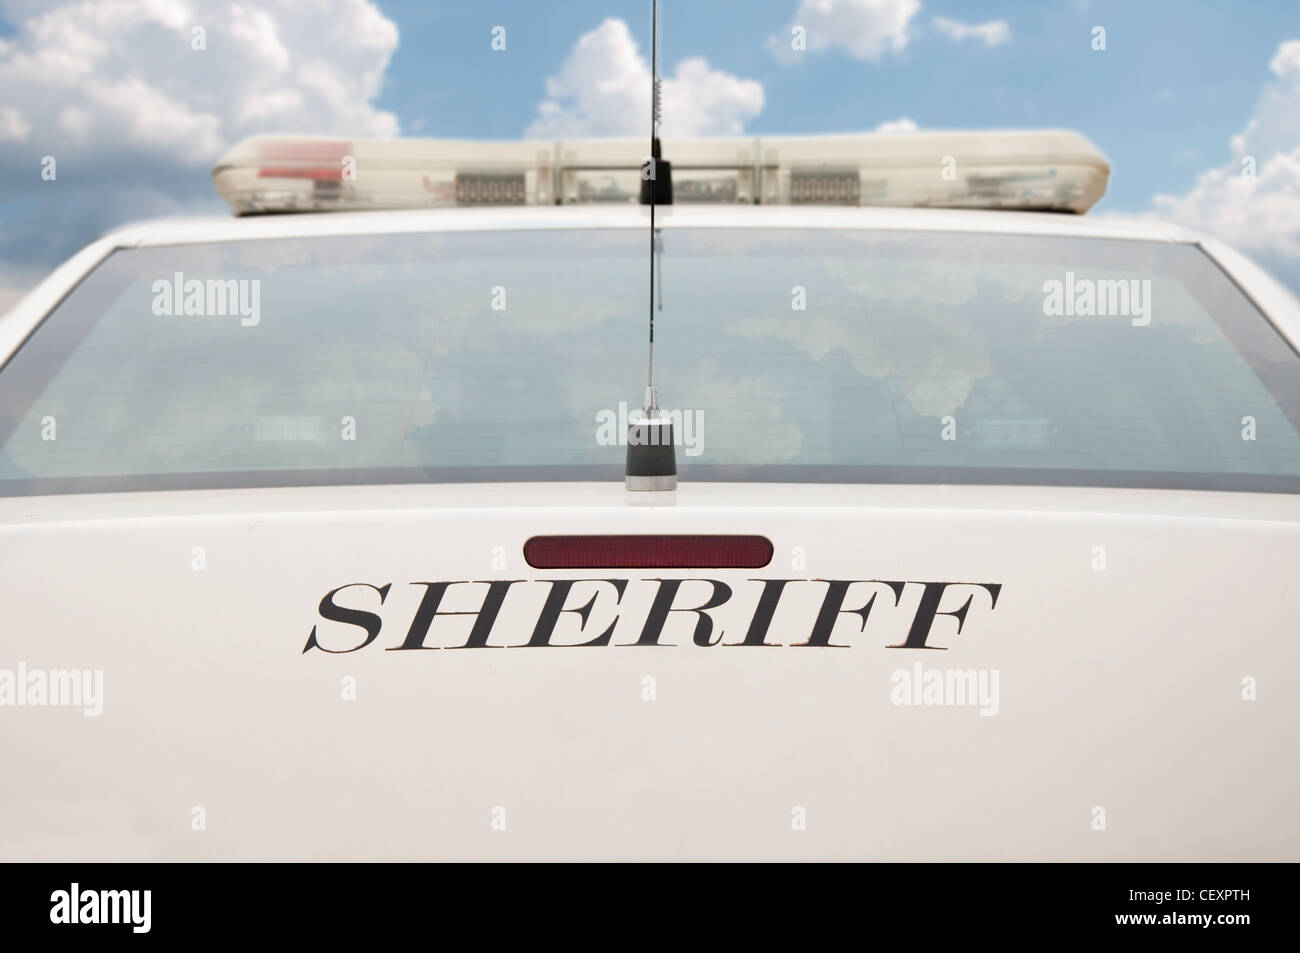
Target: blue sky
{"points": [[1176, 81], [136, 117]]}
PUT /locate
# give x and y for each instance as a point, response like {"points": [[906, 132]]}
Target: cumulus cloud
{"points": [[124, 75], [1253, 200], [865, 29], [135, 113], [992, 33], [603, 89]]}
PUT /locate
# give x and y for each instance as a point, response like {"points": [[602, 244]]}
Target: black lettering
{"points": [[833, 606], [663, 604], [762, 621], [428, 610], [929, 608], [555, 600], [336, 613]]}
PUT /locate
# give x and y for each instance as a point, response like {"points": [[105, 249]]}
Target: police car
{"points": [[319, 536]]}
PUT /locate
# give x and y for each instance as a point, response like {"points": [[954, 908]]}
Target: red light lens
{"points": [[307, 159], [648, 552]]}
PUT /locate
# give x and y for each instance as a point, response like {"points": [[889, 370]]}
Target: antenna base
{"points": [[651, 454], [641, 484], [658, 188]]}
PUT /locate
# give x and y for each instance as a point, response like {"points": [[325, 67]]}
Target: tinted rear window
{"points": [[791, 355]]}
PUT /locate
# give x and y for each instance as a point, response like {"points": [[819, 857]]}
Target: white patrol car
{"points": [[315, 540]]}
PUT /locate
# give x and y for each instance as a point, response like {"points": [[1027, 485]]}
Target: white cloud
{"points": [[135, 116], [13, 126], [603, 89], [121, 76], [1259, 214], [992, 33], [865, 29], [901, 124]]}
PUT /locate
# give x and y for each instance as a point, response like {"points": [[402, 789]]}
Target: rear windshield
{"points": [[784, 355]]}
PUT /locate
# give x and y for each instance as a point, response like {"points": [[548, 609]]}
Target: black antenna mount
{"points": [[657, 184]]}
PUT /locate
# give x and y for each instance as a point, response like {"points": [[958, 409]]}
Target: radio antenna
{"points": [[651, 456], [655, 155]]}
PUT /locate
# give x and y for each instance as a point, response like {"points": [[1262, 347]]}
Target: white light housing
{"points": [[1054, 170], [704, 170], [307, 173]]}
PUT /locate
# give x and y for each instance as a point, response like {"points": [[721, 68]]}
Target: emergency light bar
{"points": [[1054, 170]]}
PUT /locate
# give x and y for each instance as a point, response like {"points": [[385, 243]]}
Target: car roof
{"points": [[315, 224]]}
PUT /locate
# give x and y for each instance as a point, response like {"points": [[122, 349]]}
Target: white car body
{"points": [[1121, 690]]}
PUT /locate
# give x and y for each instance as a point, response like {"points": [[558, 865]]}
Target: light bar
{"points": [[1056, 170]]}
